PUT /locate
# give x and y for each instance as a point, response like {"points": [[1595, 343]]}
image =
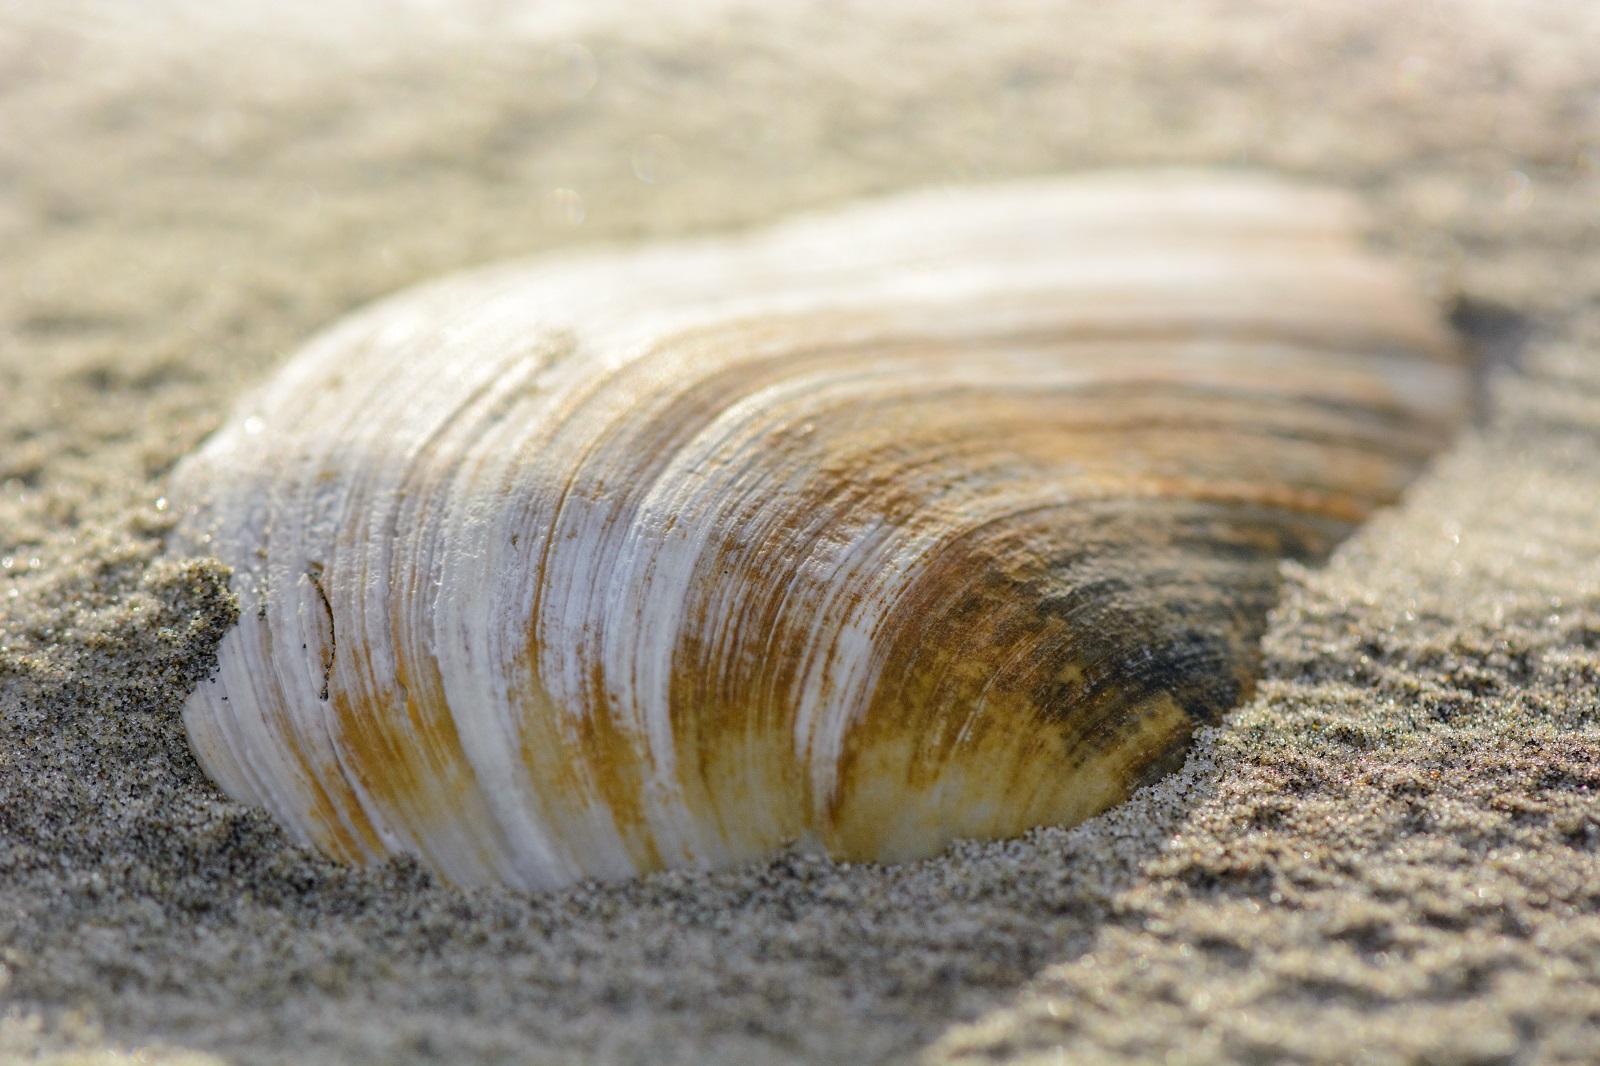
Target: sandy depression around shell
{"points": [[943, 516]]}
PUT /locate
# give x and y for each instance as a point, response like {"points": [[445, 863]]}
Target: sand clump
{"points": [[1388, 856]]}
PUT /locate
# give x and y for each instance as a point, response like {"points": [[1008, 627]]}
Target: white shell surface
{"points": [[946, 515]]}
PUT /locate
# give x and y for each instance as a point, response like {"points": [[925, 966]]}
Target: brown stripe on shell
{"points": [[1047, 665], [918, 458]]}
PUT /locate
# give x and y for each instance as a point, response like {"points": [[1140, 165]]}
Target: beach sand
{"points": [[1388, 856]]}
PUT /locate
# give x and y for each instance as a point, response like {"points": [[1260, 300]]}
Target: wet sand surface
{"points": [[1388, 856]]}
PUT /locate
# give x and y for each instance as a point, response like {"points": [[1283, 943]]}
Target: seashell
{"points": [[944, 516]]}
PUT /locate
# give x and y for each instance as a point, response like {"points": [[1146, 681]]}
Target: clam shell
{"points": [[944, 516]]}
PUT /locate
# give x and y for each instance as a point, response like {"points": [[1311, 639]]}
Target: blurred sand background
{"points": [[1389, 856]]}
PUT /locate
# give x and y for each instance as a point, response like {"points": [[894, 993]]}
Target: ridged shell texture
{"points": [[943, 516]]}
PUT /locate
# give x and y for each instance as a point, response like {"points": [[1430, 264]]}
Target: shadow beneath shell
{"points": [[801, 959]]}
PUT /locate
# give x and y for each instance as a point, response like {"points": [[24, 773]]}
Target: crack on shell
{"points": [[330, 651]]}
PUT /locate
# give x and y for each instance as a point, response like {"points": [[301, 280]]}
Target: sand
{"points": [[1388, 856]]}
